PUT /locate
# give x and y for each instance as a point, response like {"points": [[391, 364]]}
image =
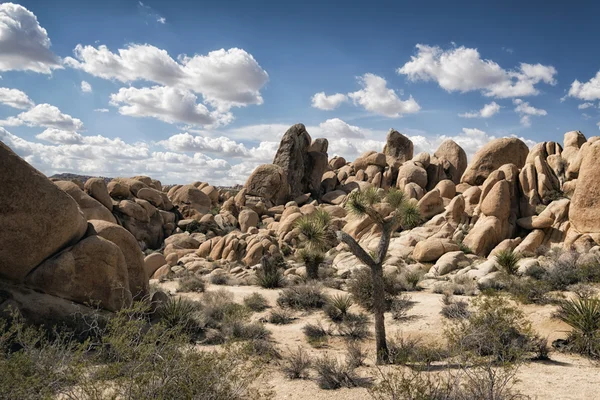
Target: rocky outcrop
{"points": [[398, 148], [269, 182], [37, 218], [492, 156], [584, 213]]}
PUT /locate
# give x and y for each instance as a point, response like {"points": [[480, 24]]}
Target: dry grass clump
{"points": [[256, 302], [302, 297], [297, 364]]}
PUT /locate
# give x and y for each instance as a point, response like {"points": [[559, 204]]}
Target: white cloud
{"points": [[58, 136], [224, 78], [323, 102], [378, 98], [150, 13], [583, 106], [15, 98], [589, 90], [487, 111], [167, 104], [336, 128], [221, 145], [462, 69], [24, 44], [526, 111], [86, 87], [102, 110], [45, 115]]}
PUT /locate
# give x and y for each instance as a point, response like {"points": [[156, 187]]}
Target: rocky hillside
{"points": [[101, 243]]}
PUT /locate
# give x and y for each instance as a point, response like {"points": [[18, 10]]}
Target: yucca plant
{"points": [[583, 316], [316, 237], [508, 260], [269, 276], [338, 306], [405, 215]]}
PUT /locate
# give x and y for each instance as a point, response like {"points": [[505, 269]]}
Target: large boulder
{"points": [[292, 157], [191, 201], [134, 258], [37, 218], [269, 182], [93, 271], [398, 148], [92, 208], [584, 212], [248, 219], [432, 249], [453, 160], [494, 155], [96, 188]]}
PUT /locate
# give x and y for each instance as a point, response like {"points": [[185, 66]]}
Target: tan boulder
{"points": [[118, 190], [192, 199], [152, 262], [584, 213], [268, 181], [492, 156], [134, 258], [447, 188], [133, 210], [337, 162], [398, 148], [37, 218], [411, 172], [431, 204], [369, 158], [92, 271], [453, 160], [535, 222], [432, 249], [247, 219], [485, 235], [152, 196], [212, 193], [336, 197], [531, 243], [96, 187], [92, 208], [497, 202]]}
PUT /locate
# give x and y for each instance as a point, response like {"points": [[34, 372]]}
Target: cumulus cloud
{"points": [[86, 87], [15, 98], [337, 128], [24, 44], [526, 111], [583, 106], [47, 116], [379, 99], [462, 69], [187, 142], [224, 78], [323, 102], [487, 111], [58, 136], [168, 104], [589, 90]]}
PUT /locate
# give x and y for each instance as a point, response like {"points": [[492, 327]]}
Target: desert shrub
{"points": [[454, 309], [354, 326], [583, 316], [191, 283], [529, 291], [478, 383], [256, 302], [219, 279], [241, 330], [316, 334], [263, 348], [125, 357], [218, 308], [180, 312], [338, 306], [355, 354], [508, 259], [269, 275], [464, 248], [408, 281], [361, 288], [302, 297], [405, 351], [400, 306], [280, 316], [494, 328], [297, 364], [333, 374]]}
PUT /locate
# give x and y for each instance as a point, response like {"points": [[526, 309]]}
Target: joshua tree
{"points": [[316, 236], [404, 215]]}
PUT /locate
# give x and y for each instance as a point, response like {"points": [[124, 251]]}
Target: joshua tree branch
{"points": [[356, 249]]}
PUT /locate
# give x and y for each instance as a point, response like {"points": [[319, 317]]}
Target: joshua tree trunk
{"points": [[312, 269], [376, 266]]}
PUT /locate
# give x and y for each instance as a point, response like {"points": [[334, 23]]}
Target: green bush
{"points": [[413, 351], [507, 259], [583, 316], [219, 308], [269, 275], [337, 307], [361, 288], [180, 312], [302, 297], [315, 334]]}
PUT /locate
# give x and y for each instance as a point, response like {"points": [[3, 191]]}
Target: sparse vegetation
{"points": [[583, 316], [317, 237], [191, 283], [454, 309], [354, 326], [302, 297], [269, 275], [333, 374], [338, 307], [297, 364], [400, 306], [508, 259], [256, 302], [280, 316], [316, 334], [355, 354]]}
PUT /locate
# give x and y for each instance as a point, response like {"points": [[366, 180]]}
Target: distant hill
{"points": [[82, 178]]}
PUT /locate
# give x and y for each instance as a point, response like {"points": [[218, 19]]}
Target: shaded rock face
{"points": [[37, 218], [453, 160], [269, 182], [398, 148], [292, 157], [492, 156], [584, 212], [92, 208], [93, 270]]}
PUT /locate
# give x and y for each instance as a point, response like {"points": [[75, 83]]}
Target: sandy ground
{"points": [[563, 377]]}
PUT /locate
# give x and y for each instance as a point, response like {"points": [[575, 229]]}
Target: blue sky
{"points": [[432, 70]]}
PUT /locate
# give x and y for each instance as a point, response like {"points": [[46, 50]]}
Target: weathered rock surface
{"points": [[492, 156]]}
